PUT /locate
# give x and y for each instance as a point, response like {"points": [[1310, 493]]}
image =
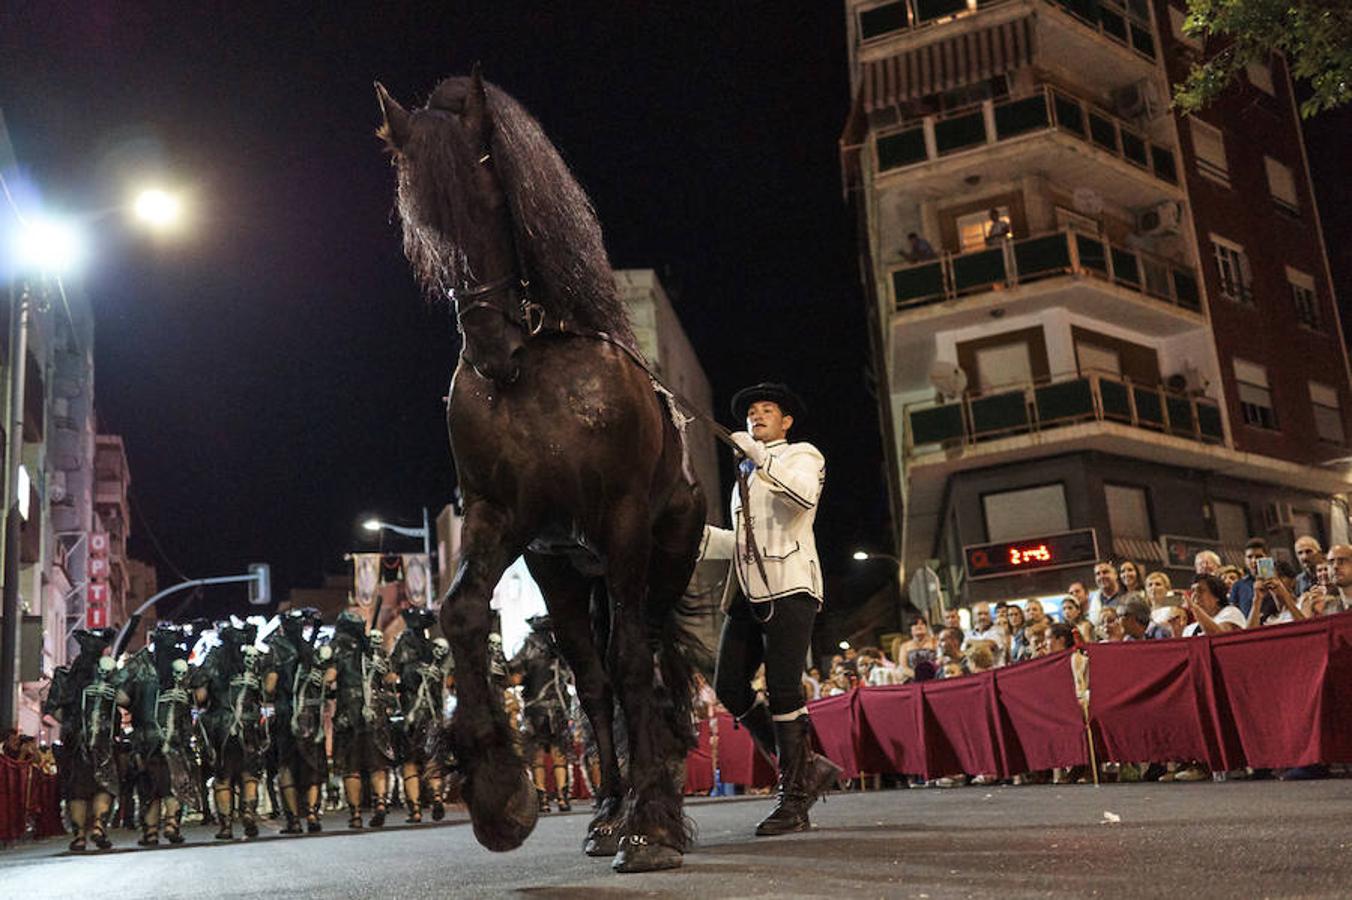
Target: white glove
{"points": [[751, 448]]}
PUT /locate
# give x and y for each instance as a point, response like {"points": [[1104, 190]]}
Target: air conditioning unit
{"points": [[1160, 220], [1189, 381], [1139, 101]]}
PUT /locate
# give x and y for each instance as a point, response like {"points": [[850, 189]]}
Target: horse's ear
{"points": [[397, 126], [476, 103]]}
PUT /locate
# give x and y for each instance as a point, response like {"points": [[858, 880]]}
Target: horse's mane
{"points": [[557, 232]]}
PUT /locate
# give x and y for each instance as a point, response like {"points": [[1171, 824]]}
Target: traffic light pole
{"points": [[259, 576]]}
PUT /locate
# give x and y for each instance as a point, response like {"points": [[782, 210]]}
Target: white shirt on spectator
{"points": [[1229, 615]]}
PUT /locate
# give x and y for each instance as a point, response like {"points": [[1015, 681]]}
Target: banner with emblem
{"points": [[399, 580]]}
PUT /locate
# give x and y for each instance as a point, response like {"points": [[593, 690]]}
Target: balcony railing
{"points": [[1024, 260], [993, 121], [1111, 20], [1070, 400]]}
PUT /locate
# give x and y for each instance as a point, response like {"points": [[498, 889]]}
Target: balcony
{"points": [[1129, 29], [1073, 138], [1041, 257], [1058, 403], [1111, 39]]}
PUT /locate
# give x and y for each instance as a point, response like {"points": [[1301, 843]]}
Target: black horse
{"points": [[564, 452]]}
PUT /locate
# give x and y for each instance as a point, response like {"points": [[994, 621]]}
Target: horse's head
{"points": [[457, 223]]}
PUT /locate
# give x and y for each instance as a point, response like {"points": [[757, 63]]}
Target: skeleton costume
{"points": [[230, 686], [156, 683], [297, 725], [422, 666], [83, 697], [545, 699], [361, 672]]}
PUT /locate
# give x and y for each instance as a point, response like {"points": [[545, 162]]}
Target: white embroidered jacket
{"points": [[783, 505]]}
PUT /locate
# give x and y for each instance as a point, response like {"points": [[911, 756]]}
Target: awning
{"points": [[943, 65], [1138, 549]]}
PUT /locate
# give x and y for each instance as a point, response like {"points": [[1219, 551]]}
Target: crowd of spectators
{"points": [[1125, 603]]}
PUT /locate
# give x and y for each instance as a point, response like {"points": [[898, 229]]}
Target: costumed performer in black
{"points": [[362, 745], [769, 620], [155, 681], [296, 728], [545, 701], [423, 667], [84, 698], [230, 686]]}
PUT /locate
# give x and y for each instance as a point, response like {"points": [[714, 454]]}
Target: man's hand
{"points": [[751, 448]]}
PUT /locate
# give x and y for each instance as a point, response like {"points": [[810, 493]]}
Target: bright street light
{"points": [[371, 524], [860, 555], [51, 246], [157, 209]]}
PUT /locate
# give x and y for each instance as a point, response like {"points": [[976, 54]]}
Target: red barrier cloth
{"points": [[833, 722], [890, 723], [739, 762], [1144, 701], [13, 814], [1268, 695], [47, 799], [1042, 724], [1337, 734], [961, 726]]}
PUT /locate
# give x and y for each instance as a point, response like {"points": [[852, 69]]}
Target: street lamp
{"points": [[425, 532], [157, 209], [864, 555]]}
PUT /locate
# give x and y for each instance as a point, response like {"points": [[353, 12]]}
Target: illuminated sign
{"points": [[1053, 551]]}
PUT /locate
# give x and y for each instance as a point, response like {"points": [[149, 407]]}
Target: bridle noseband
{"points": [[530, 317]]}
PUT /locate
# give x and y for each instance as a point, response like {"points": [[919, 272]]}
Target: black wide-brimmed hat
{"points": [[789, 403]]}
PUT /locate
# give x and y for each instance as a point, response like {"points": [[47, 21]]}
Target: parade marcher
{"points": [[83, 698], [156, 684], [296, 729], [423, 667], [777, 592], [230, 686], [545, 703], [361, 725]]}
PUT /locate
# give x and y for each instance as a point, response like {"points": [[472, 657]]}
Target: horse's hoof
{"points": [[510, 828], [637, 854], [602, 840]]}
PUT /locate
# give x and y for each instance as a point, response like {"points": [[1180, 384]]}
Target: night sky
{"points": [[277, 376]]}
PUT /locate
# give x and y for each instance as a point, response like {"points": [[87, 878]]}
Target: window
{"points": [[1176, 18], [1282, 185], [1208, 146], [1260, 76], [973, 228], [1255, 397], [1128, 512], [881, 20], [1328, 413], [1096, 359], [1232, 523], [1303, 297], [1028, 512], [1232, 266], [1004, 365]]}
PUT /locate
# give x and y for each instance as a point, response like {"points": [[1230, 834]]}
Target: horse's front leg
{"points": [[497, 788], [654, 827], [568, 594]]}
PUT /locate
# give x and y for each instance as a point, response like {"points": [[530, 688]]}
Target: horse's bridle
{"points": [[530, 317]]}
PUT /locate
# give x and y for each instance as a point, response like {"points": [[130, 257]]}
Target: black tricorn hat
{"points": [[789, 403]]}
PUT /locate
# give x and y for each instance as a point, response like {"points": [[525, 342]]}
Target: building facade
{"points": [[1114, 333]]}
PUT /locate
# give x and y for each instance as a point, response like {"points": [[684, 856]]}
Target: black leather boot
{"points": [[795, 764]]}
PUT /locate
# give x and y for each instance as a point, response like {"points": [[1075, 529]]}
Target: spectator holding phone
{"points": [[1241, 595], [1336, 597], [1213, 612]]}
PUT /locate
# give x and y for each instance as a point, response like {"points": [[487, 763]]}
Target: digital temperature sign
{"points": [[1054, 551]]}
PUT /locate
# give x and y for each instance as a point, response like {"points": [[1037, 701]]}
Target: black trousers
{"points": [[780, 641]]}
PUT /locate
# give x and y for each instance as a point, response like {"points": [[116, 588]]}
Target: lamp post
{"points": [[44, 249], [425, 532], [864, 555]]}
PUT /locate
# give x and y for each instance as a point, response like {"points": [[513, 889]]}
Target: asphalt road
{"points": [[1239, 839]]}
